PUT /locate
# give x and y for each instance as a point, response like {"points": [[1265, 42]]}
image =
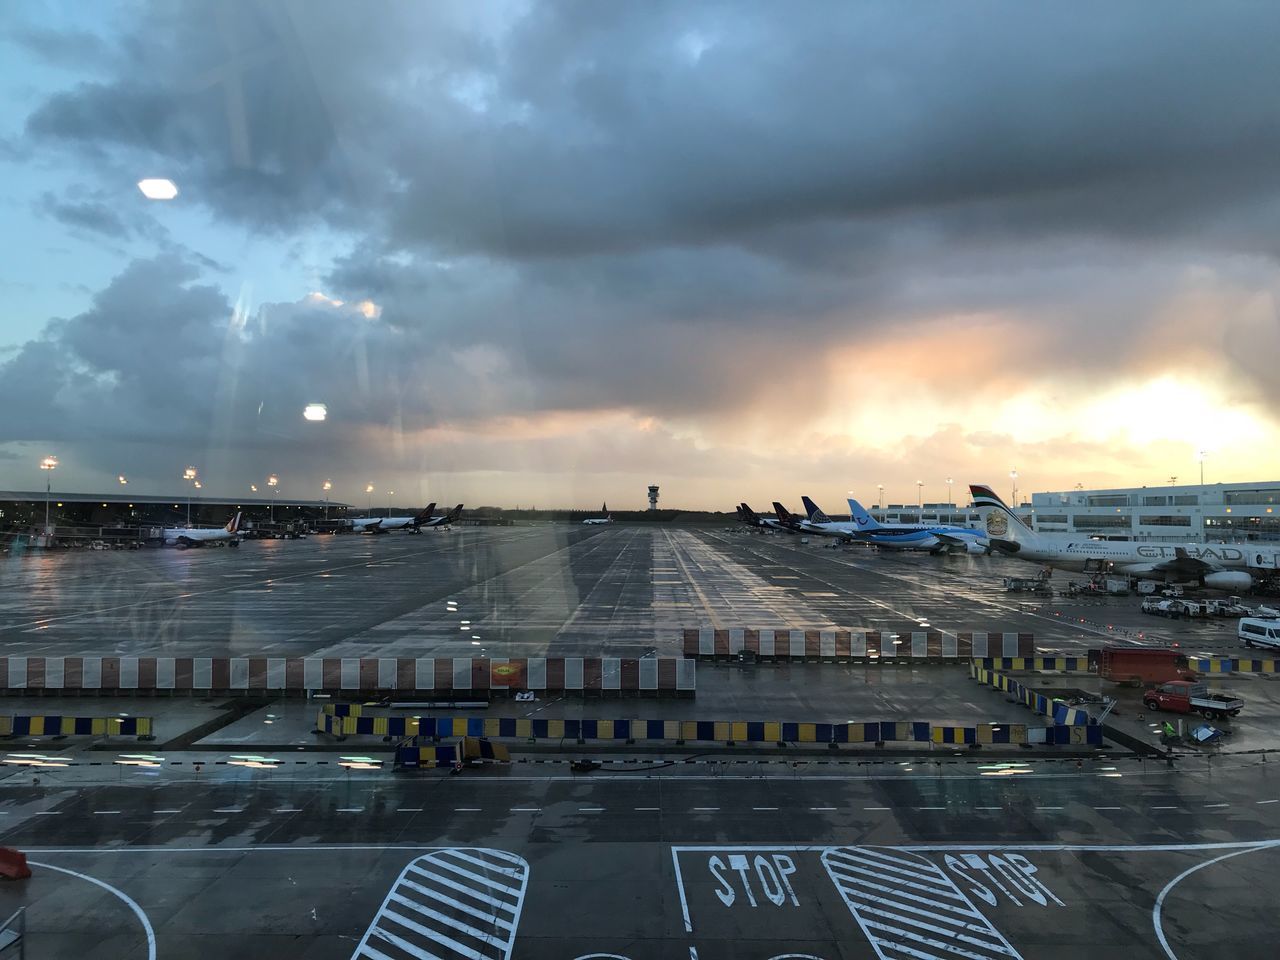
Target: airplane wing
{"points": [[1183, 565]]}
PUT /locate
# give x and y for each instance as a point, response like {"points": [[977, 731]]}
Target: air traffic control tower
{"points": [[653, 496]]}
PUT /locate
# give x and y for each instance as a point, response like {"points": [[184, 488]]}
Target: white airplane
{"points": [[1219, 566], [934, 537], [183, 537], [441, 521], [387, 524], [607, 518]]}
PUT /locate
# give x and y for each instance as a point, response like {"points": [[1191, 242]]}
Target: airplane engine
{"points": [[974, 547], [1232, 581]]}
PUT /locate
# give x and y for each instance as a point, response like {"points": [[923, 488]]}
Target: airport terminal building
{"points": [[1185, 513]]}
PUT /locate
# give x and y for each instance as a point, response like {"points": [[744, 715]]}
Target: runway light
{"points": [[315, 411], [158, 188]]}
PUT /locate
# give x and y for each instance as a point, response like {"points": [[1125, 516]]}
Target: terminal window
{"points": [[1110, 500], [1094, 523], [1164, 521]]}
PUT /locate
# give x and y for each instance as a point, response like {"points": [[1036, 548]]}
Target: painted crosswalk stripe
{"points": [[451, 904], [908, 907]]}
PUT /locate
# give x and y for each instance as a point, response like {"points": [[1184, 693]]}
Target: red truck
{"points": [[1184, 696], [1138, 665]]}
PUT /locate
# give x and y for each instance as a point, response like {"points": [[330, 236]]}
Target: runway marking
{"points": [[828, 809], [350, 810], [408, 810], [105, 811], [128, 902], [1048, 808], [178, 810], [1267, 801], [466, 809], [228, 809], [1108, 808], [591, 809], [1210, 805], [943, 808], [891, 918], [286, 810], [525, 809], [1164, 808], [647, 809], [705, 809], [436, 909], [1157, 910], [47, 813], [875, 808], [764, 808]]}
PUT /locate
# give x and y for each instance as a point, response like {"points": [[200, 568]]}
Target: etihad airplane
{"points": [[183, 537], [1219, 566], [935, 538], [387, 524]]}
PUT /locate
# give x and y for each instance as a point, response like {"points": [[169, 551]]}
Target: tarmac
{"points": [[944, 855]]}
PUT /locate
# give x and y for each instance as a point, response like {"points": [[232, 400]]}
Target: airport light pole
{"points": [[880, 498], [368, 498], [189, 475], [951, 503], [920, 495], [1013, 475], [271, 482], [328, 485], [48, 464], [390, 494], [1200, 456]]}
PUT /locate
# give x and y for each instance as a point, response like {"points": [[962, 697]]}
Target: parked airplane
{"points": [[786, 519], [442, 521], [916, 536], [1216, 565], [387, 524], [753, 519], [183, 537], [816, 521]]}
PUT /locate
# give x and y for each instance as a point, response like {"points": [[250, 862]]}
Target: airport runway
{"points": [[823, 862], [528, 591]]}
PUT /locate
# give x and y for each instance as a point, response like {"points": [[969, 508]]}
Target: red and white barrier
{"points": [[649, 675], [786, 644]]}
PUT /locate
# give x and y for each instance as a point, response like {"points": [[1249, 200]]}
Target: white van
{"points": [[1254, 631]]}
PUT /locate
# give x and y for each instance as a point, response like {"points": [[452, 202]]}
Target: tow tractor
{"points": [[1036, 584], [1187, 696]]}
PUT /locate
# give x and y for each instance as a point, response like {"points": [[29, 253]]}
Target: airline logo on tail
{"points": [[425, 515], [998, 515], [814, 513], [860, 516], [233, 525]]}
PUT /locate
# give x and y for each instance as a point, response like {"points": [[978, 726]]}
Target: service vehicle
{"points": [[1173, 608], [1138, 665], [1258, 632], [1187, 696]]}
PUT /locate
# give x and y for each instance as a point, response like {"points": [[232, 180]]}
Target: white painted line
{"points": [[105, 811], [466, 809], [424, 915], [1108, 808], [646, 809], [1156, 910], [137, 910], [286, 810], [1217, 804], [47, 813], [228, 810], [408, 810], [943, 808], [1048, 808], [764, 808], [822, 809], [176, 810], [875, 808], [525, 809], [591, 809], [351, 810], [1267, 801], [988, 808], [705, 809], [1164, 808]]}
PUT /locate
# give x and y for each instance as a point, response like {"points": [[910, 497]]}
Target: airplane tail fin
{"points": [[998, 521], [425, 515], [864, 520], [233, 525], [746, 513], [454, 514], [782, 512], [814, 512]]}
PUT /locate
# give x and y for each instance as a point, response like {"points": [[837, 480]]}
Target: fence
{"points": [[1062, 714], [706, 643], [60, 726], [1233, 665], [603, 676]]}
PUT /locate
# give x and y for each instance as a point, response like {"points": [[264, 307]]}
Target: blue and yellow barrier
{"points": [[413, 754], [1061, 714], [60, 726], [1234, 665]]}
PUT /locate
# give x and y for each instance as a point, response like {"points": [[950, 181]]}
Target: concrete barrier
{"points": [[840, 645], [59, 726], [1234, 665], [1059, 712], [1078, 664], [586, 676]]}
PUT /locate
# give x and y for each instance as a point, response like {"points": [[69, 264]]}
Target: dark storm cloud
{"points": [[582, 128]]}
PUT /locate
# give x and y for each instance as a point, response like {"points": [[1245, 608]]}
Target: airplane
{"points": [[183, 537], [935, 538], [786, 519], [1214, 565], [387, 524], [607, 518], [442, 521], [752, 519]]}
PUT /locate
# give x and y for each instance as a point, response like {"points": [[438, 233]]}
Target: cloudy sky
{"points": [[550, 253]]}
